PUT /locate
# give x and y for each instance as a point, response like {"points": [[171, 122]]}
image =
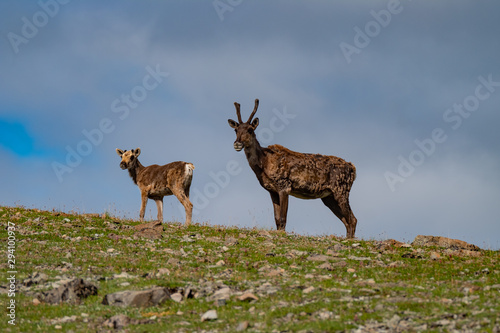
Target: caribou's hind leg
{"points": [[344, 213], [184, 200], [159, 206]]}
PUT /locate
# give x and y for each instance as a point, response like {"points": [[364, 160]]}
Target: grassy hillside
{"points": [[292, 283]]}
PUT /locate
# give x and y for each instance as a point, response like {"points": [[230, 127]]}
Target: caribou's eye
{"points": [[132, 157], [250, 130]]}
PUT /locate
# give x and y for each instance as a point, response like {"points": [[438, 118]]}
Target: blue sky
{"points": [[407, 91]]}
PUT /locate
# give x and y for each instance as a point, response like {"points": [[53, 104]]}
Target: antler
{"points": [[237, 106], [254, 110]]}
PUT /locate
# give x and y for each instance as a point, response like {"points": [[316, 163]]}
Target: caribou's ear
{"points": [[233, 124], [255, 123], [119, 152], [137, 152]]}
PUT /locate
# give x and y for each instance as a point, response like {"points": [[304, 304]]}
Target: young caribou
{"points": [[283, 172], [157, 181]]}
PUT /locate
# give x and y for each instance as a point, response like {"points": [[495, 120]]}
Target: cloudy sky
{"points": [[408, 91]]}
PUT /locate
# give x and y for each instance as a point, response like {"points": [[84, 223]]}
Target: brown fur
{"points": [[284, 172], [156, 181]]}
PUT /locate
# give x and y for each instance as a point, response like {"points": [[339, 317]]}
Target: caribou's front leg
{"points": [[144, 201], [280, 204]]}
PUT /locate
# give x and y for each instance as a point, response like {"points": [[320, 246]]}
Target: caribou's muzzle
{"points": [[123, 165], [238, 146]]}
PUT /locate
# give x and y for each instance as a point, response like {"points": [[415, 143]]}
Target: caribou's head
{"points": [[245, 132], [128, 157]]}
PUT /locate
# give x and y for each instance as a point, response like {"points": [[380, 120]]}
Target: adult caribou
{"points": [[283, 172]]}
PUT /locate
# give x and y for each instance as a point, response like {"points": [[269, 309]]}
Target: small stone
{"points": [[117, 322], [325, 315], [223, 293], [247, 297], [275, 272], [340, 264], [123, 275], [308, 290], [265, 233], [370, 281], [174, 261], [220, 263], [231, 241], [163, 271], [242, 326], [435, 256], [393, 322], [110, 250], [351, 270], [36, 302], [177, 297], [327, 266], [320, 257], [209, 315], [298, 253]]}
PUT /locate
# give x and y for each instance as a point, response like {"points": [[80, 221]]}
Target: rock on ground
{"points": [[448, 243], [70, 292], [151, 230], [209, 315], [138, 298], [120, 321]]}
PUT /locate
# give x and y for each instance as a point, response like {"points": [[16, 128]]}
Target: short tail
{"points": [[353, 172], [189, 168]]}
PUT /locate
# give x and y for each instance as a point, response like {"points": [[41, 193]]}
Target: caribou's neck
{"points": [[255, 156], [134, 170]]}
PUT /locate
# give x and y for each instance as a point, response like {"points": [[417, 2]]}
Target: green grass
{"points": [[365, 286]]}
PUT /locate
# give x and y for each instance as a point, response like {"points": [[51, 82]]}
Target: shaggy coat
{"points": [[156, 181], [283, 172]]}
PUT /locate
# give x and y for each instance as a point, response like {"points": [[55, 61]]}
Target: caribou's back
{"points": [[308, 176], [159, 179]]}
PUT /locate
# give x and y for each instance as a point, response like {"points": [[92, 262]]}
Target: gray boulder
{"points": [[70, 292], [138, 298]]}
